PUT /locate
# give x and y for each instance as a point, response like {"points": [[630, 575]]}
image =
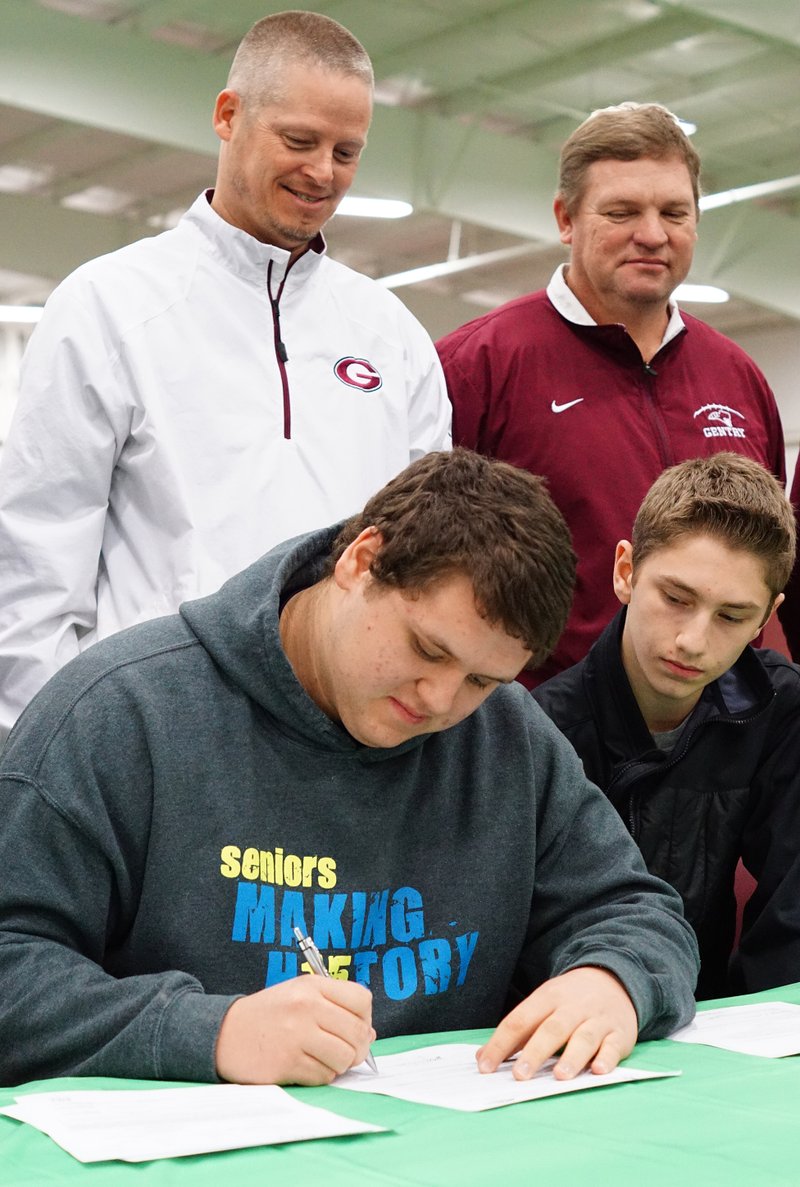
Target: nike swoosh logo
{"points": [[563, 407]]}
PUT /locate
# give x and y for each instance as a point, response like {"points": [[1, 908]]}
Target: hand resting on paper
{"points": [[586, 1012], [303, 1031]]}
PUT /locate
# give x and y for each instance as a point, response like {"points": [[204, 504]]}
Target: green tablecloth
{"points": [[729, 1121]]}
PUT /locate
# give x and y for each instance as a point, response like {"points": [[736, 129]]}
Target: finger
{"points": [[348, 995], [329, 1023], [310, 1073], [342, 1037], [333, 1052], [509, 1037], [583, 1046], [548, 1039], [612, 1050]]}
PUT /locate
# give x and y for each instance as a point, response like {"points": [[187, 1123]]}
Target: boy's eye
{"points": [[479, 682]]}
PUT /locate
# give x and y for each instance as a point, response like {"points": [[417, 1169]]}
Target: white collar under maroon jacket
{"points": [[568, 305]]}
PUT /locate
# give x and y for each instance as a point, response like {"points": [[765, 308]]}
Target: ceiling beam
{"points": [[39, 237], [107, 76], [113, 77], [659, 33], [752, 252], [776, 22]]}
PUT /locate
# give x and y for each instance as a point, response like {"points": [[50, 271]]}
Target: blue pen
{"points": [[317, 965]]}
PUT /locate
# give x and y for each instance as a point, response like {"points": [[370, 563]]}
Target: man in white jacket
{"points": [[192, 399]]}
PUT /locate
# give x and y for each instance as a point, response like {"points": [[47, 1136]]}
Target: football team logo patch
{"points": [[719, 421], [358, 373]]}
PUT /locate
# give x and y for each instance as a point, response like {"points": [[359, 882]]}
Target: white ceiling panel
{"points": [[105, 105]]}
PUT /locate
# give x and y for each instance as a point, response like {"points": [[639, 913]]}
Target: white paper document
{"points": [[771, 1029], [447, 1075], [136, 1126]]}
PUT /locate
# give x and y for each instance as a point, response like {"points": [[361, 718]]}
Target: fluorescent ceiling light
{"points": [[20, 314], [707, 294], [165, 222], [449, 267], [744, 193], [374, 207], [98, 199], [23, 179]]}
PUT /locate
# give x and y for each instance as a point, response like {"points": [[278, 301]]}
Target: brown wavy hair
{"points": [[624, 133], [459, 512]]}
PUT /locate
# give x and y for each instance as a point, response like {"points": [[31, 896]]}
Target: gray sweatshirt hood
{"points": [[239, 628]]}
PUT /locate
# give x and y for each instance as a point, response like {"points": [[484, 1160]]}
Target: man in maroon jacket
{"points": [[599, 382]]}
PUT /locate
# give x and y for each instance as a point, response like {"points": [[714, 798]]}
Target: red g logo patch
{"points": [[358, 373]]}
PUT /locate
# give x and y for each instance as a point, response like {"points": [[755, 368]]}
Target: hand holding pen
{"points": [[306, 1030], [318, 967]]}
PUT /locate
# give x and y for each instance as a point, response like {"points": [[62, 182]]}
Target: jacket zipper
{"points": [[655, 415], [280, 349]]}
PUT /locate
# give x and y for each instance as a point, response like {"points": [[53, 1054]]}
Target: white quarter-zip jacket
{"points": [[187, 402]]}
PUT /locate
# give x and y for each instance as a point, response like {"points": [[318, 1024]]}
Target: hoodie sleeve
{"points": [[54, 920], [77, 804], [595, 902]]}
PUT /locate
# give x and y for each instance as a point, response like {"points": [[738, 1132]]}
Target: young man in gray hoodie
{"points": [[333, 742]]}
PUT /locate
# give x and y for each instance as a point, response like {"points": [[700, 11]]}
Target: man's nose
{"points": [[318, 165], [437, 692], [650, 230], [693, 636]]}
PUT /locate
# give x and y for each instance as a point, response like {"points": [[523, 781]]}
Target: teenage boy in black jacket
{"points": [[692, 733]]}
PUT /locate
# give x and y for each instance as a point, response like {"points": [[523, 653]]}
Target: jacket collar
{"points": [[562, 297], [244, 255]]}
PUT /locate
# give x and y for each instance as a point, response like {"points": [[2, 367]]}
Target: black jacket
{"points": [[729, 789]]}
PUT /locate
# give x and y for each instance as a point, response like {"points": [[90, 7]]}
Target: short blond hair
{"points": [[286, 39], [727, 496]]}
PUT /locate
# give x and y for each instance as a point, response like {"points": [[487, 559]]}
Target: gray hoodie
{"points": [[174, 804]]}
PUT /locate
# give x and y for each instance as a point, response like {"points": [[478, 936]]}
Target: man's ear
{"points": [[227, 107], [354, 565], [563, 219], [623, 571], [778, 599]]}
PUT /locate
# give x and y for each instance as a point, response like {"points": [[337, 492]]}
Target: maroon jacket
{"points": [[789, 612], [577, 404]]}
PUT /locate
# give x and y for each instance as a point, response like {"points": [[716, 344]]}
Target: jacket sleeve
{"points": [[789, 611], [69, 887], [595, 902], [429, 410], [468, 387], [769, 950], [54, 487]]}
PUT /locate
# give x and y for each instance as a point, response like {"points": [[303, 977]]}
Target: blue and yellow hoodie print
{"points": [[174, 804]]}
